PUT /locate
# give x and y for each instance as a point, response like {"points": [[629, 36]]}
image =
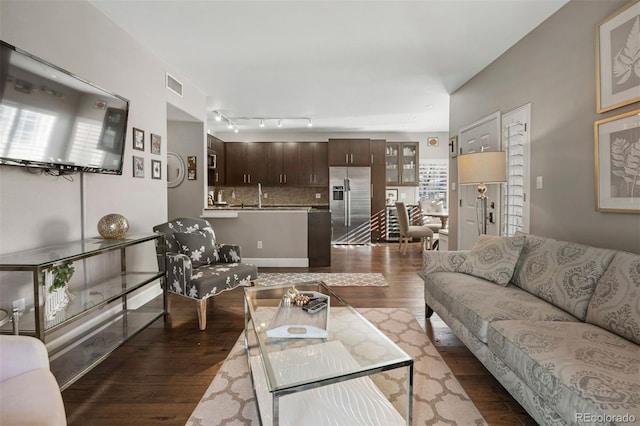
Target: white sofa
{"points": [[29, 393], [557, 323]]}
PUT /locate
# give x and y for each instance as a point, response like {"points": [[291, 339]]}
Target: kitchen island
{"points": [[272, 235]]}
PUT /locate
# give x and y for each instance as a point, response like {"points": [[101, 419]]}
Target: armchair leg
{"points": [[202, 313], [406, 245]]}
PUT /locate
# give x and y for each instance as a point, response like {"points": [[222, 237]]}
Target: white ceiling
{"points": [[348, 65]]}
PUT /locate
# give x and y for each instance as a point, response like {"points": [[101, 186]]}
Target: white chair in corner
{"points": [[411, 231], [29, 393]]}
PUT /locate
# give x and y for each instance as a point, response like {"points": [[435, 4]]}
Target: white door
{"points": [[516, 128], [484, 134]]}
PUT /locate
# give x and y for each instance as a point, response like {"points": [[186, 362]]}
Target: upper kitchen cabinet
{"points": [[401, 161], [215, 161], [283, 163], [246, 163], [314, 164], [349, 152]]}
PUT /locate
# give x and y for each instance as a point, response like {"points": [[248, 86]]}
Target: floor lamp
{"points": [[479, 169]]}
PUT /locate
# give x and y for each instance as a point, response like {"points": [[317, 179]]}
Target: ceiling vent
{"points": [[174, 85]]}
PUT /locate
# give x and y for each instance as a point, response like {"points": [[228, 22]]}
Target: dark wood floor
{"points": [[159, 376]]}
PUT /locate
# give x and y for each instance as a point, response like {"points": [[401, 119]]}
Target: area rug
{"points": [[438, 398], [335, 279]]}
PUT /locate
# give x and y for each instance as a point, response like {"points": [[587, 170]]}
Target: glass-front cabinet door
{"points": [[402, 163]]}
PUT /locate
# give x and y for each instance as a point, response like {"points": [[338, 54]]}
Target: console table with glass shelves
{"points": [[103, 300]]}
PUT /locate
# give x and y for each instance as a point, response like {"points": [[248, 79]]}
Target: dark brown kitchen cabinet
{"points": [[283, 164], [349, 152], [215, 161], [402, 163], [246, 163], [313, 164]]}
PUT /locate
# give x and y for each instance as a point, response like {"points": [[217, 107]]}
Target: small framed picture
{"points": [[391, 196], [155, 144], [617, 76], [138, 167], [617, 165], [192, 165], [453, 146], [156, 169], [138, 139]]}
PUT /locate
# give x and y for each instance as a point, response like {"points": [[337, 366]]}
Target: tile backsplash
{"points": [[274, 195]]}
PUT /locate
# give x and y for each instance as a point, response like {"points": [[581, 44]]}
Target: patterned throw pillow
{"points": [[493, 258], [200, 246], [615, 304]]}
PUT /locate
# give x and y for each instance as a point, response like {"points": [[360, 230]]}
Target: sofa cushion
{"points": [[576, 368], [560, 272], [493, 258], [199, 245], [615, 304], [477, 302], [209, 280]]}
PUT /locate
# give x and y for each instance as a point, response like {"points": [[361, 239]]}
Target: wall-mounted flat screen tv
{"points": [[52, 119]]}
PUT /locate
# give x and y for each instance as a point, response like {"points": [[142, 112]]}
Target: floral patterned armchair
{"points": [[197, 267]]}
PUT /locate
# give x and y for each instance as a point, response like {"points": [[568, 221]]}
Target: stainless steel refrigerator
{"points": [[350, 202]]}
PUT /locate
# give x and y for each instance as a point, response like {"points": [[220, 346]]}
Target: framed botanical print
{"points": [[617, 161], [138, 139], [156, 169], [156, 141], [138, 167], [617, 62]]}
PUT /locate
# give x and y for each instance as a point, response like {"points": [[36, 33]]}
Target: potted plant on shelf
{"points": [[55, 280]]}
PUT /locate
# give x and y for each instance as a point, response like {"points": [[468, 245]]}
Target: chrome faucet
{"points": [[259, 196]]}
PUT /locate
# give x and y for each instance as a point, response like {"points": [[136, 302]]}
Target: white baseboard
{"points": [[292, 262]]}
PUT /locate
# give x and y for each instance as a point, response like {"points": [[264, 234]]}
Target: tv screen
{"points": [[53, 119]]}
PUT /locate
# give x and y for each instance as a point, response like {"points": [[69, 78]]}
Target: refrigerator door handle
{"points": [[348, 195], [346, 202]]}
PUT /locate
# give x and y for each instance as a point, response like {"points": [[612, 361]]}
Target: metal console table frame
{"points": [[69, 361]]}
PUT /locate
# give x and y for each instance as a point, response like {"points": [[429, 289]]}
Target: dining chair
{"points": [[412, 231]]}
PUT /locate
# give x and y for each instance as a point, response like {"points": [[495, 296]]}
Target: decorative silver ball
{"points": [[113, 226]]}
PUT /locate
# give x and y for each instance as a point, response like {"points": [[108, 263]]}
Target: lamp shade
{"points": [[482, 167]]}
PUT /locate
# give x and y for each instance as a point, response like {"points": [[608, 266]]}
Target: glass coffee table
{"points": [[330, 367]]}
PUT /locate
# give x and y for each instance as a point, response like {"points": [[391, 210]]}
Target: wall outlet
{"points": [[403, 195], [20, 304], [318, 195], [265, 195], [259, 244], [539, 184]]}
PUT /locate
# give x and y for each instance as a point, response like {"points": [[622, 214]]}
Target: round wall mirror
{"points": [[175, 169]]}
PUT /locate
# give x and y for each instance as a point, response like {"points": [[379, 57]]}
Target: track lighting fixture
{"points": [[232, 122]]}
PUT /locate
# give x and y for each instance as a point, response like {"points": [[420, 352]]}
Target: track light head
{"points": [[261, 123], [218, 116], [280, 122], [309, 123]]}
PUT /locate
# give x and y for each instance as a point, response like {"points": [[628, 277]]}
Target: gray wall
{"points": [[39, 210], [553, 67], [186, 139]]}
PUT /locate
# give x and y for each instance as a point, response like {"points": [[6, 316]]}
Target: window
{"points": [[434, 181], [515, 212]]}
